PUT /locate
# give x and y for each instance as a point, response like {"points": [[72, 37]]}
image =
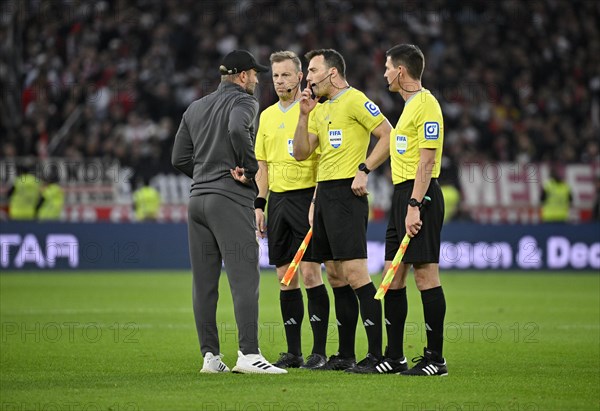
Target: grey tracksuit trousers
{"points": [[222, 230]]}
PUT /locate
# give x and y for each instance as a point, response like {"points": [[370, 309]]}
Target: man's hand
{"points": [[238, 175], [307, 103], [261, 228], [359, 184], [413, 221]]}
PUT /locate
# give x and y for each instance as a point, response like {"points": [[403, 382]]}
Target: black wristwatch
{"points": [[363, 167], [414, 203]]}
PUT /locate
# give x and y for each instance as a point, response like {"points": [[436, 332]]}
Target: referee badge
{"points": [[372, 108], [335, 138], [401, 144], [432, 130], [291, 147]]}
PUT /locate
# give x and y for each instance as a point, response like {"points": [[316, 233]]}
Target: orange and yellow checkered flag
{"points": [[391, 272], [289, 274]]}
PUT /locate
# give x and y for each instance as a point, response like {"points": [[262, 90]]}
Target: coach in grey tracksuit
{"points": [[215, 147]]}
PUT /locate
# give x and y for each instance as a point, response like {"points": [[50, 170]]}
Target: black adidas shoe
{"points": [[366, 366], [431, 363], [337, 363], [315, 362], [391, 366], [287, 360]]}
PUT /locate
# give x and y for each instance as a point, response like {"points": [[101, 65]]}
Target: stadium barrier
{"points": [[97, 190], [465, 246]]}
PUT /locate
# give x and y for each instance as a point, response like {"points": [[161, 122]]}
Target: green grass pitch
{"points": [[126, 341]]}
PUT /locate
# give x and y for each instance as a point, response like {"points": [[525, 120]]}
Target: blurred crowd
{"points": [[518, 81]]}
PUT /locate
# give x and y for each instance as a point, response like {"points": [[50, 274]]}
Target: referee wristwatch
{"points": [[413, 202], [363, 167]]}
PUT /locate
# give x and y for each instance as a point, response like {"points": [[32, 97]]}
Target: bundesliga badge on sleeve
{"points": [[432, 130]]}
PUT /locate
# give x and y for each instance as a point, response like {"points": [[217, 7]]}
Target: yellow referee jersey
{"points": [[421, 125], [274, 144], [344, 125]]}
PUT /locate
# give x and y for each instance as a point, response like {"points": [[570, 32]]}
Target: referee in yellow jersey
{"points": [[416, 153], [341, 128], [290, 185]]}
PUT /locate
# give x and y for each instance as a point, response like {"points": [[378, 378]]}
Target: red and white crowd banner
{"points": [[121, 214], [511, 192]]}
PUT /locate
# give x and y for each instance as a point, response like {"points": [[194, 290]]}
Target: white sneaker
{"points": [[255, 364], [213, 364]]}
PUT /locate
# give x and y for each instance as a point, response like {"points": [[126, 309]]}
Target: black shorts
{"points": [[287, 225], [425, 246], [340, 222]]}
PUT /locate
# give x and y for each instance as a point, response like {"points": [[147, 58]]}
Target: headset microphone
{"points": [[400, 85], [395, 78], [317, 83], [289, 90]]}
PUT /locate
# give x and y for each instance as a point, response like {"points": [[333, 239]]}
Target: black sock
{"points": [[396, 309], [434, 310], [346, 313], [370, 311], [292, 312], [318, 313]]}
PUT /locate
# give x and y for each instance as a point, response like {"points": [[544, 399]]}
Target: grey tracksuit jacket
{"points": [[217, 134]]}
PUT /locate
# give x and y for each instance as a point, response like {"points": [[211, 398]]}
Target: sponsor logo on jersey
{"points": [[372, 108], [432, 130], [291, 147], [335, 138], [401, 144]]}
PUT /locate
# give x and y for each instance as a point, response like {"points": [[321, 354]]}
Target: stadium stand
{"points": [[105, 83]]}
